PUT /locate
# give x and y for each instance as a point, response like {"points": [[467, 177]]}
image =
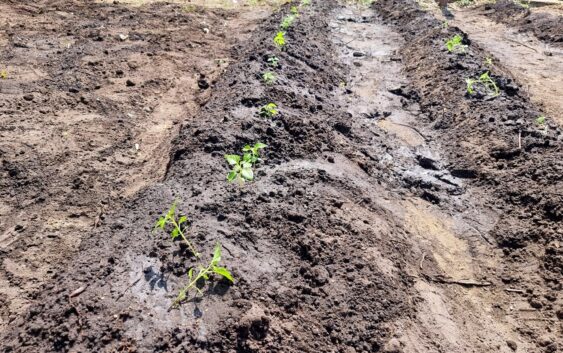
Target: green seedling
{"points": [[203, 275], [273, 61], [488, 61], [179, 225], [3, 74], [305, 2], [254, 151], [540, 120], [269, 78], [279, 39], [486, 82], [294, 10], [269, 110], [242, 166], [287, 22], [455, 45]]}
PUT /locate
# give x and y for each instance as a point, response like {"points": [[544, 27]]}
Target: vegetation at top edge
{"points": [[178, 225]]}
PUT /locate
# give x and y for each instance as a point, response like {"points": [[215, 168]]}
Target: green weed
{"points": [[305, 2], [179, 225], [294, 10], [287, 22], [203, 275], [269, 110], [269, 78], [279, 39], [455, 45]]}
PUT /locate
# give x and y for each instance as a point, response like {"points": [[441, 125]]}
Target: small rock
{"points": [[358, 54], [123, 37], [392, 346], [130, 83], [28, 97], [73, 89], [203, 84], [512, 345]]}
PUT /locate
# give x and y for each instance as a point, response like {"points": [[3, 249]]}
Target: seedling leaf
{"points": [[216, 254], [223, 272], [233, 159]]}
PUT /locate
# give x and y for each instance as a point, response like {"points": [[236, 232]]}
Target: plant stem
{"points": [[190, 245]]}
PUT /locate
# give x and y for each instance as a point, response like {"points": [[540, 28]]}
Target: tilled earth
{"points": [[427, 222]]}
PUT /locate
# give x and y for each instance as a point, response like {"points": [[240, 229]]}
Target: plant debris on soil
{"points": [[390, 212]]}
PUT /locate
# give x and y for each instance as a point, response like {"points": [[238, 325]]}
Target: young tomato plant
{"points": [[485, 82], [242, 166], [254, 151], [269, 78], [269, 110], [178, 223], [279, 39], [203, 274], [455, 45], [287, 21], [273, 61]]}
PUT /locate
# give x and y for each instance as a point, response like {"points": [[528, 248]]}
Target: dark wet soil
{"points": [[92, 97], [548, 27], [322, 259]]}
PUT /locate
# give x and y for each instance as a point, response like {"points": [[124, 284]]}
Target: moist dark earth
{"points": [[322, 262], [547, 27]]}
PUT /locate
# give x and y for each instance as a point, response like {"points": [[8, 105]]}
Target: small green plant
{"points": [[455, 45], [241, 169], [273, 61], [294, 10], [287, 22], [279, 39], [540, 120], [269, 78], [3, 74], [178, 223], [253, 151], [242, 166], [269, 110], [203, 275], [486, 82], [488, 61], [305, 2]]}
